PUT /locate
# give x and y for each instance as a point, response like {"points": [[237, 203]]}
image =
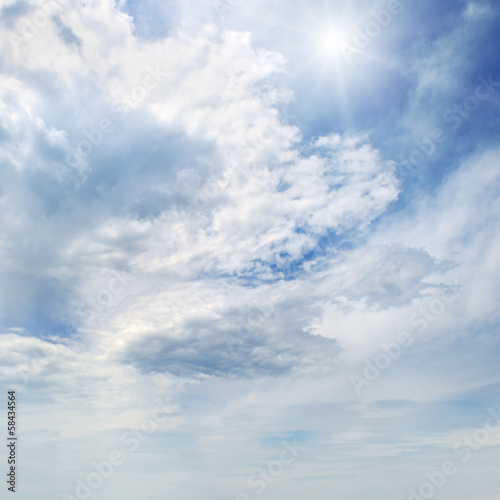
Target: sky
{"points": [[250, 249]]}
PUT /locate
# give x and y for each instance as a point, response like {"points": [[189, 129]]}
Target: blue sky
{"points": [[250, 250]]}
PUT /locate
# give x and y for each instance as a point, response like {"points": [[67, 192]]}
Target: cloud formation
{"points": [[170, 228]]}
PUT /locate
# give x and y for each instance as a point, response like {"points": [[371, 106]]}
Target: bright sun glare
{"points": [[333, 41]]}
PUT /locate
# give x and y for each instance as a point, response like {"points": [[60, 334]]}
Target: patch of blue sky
{"points": [[288, 435], [153, 19]]}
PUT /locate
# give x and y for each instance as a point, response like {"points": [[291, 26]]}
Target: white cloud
{"points": [[207, 204]]}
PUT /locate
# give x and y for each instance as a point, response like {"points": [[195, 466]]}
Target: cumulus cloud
{"points": [[167, 229], [178, 158]]}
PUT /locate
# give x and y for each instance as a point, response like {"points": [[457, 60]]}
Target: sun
{"points": [[332, 42]]}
